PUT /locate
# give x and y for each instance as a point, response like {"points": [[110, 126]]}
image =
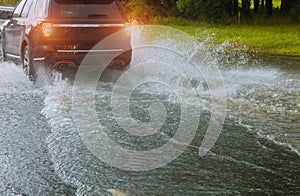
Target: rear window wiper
{"points": [[97, 15]]}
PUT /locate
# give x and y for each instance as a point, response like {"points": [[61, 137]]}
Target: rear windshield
{"points": [[85, 9]]}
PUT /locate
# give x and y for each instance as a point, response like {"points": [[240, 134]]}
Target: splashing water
{"points": [[263, 105]]}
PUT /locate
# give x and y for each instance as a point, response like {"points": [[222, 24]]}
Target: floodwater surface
{"points": [[257, 151]]}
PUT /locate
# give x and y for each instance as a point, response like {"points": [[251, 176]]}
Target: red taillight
{"points": [[46, 28]]}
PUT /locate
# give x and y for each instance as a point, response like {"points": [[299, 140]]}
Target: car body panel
{"points": [[52, 39]]}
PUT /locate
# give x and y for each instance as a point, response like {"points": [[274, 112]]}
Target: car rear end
{"points": [[73, 28]]}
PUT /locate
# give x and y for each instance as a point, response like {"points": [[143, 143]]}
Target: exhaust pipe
{"points": [[117, 64], [62, 67]]}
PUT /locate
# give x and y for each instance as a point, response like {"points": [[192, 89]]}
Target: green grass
{"points": [[281, 39]]}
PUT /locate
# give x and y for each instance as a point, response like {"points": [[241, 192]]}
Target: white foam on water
{"points": [[272, 139], [12, 78], [250, 90]]}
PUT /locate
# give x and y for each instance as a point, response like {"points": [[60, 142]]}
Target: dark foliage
{"points": [[209, 10]]}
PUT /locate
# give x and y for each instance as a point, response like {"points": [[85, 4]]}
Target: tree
{"points": [[170, 4], [287, 5], [142, 10], [213, 10], [191, 9], [269, 6], [209, 10], [262, 4], [284, 7], [256, 5], [246, 7], [235, 7]]}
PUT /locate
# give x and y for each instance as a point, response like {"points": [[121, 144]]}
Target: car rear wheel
{"points": [[28, 64]]}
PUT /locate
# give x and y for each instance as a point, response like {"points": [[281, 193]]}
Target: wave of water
{"points": [[265, 99], [24, 162], [77, 166]]}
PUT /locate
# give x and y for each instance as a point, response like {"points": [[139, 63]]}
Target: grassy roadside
{"points": [[275, 39]]}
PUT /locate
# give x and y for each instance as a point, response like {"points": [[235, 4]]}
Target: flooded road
{"points": [[257, 151], [25, 165]]}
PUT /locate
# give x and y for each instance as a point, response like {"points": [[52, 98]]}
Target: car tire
{"points": [[27, 63], [128, 56]]}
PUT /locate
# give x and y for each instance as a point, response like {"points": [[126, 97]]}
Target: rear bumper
{"points": [[71, 59]]}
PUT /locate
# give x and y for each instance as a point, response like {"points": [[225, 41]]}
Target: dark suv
{"points": [[59, 33]]}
